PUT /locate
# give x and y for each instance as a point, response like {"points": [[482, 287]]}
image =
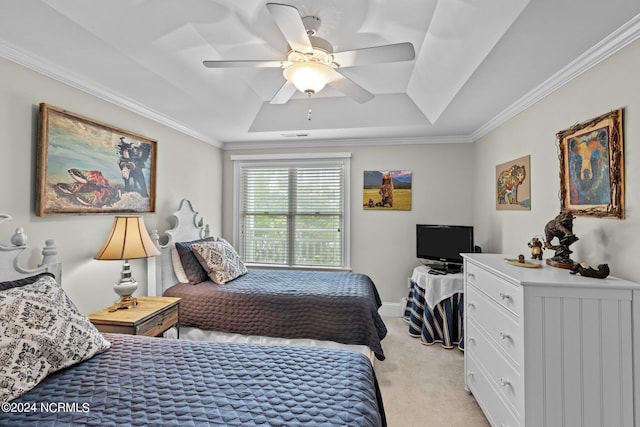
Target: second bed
{"points": [[315, 307]]}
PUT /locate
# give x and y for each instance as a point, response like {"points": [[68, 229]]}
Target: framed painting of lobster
{"points": [[592, 167], [88, 167]]}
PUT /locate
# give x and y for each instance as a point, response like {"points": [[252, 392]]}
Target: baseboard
{"points": [[392, 309]]}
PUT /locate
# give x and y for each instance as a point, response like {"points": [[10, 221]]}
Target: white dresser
{"points": [[545, 348]]}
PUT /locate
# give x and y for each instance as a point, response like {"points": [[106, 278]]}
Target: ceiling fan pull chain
{"points": [[309, 112]]}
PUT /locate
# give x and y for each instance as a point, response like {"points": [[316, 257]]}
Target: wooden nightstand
{"points": [[152, 317]]}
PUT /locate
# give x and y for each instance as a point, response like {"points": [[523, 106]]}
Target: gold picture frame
{"points": [[88, 167], [592, 167]]}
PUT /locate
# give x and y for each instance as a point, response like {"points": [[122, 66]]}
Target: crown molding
{"points": [[67, 77], [622, 37], [352, 142]]}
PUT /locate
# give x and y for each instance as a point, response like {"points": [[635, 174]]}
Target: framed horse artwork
{"points": [[89, 167], [592, 167]]}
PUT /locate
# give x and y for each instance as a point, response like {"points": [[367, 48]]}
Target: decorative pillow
{"points": [[220, 260], [41, 332], [21, 282], [190, 264], [177, 265]]}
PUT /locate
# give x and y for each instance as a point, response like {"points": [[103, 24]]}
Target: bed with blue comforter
{"points": [[221, 296], [57, 369], [142, 381], [334, 306]]}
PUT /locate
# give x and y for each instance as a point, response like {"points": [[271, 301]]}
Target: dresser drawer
{"points": [[488, 398], [502, 292], [499, 324], [159, 323], [501, 373]]}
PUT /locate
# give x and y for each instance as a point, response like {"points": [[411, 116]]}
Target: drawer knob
{"points": [[471, 275], [470, 374], [505, 336], [471, 340], [471, 305], [504, 296], [504, 383]]}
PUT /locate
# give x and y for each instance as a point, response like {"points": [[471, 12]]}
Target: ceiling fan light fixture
{"points": [[309, 77]]}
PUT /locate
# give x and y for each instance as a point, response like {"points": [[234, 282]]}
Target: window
{"points": [[292, 210]]}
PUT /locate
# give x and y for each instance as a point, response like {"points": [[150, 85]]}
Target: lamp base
{"points": [[125, 288], [127, 301]]}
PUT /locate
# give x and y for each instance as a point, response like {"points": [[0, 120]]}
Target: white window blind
{"points": [[292, 213]]}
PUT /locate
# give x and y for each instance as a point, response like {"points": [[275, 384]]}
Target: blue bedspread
{"points": [[145, 381], [334, 306]]}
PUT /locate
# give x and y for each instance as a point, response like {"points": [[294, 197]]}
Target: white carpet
{"points": [[423, 386]]}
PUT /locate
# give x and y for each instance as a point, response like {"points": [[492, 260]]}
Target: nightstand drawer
{"points": [[159, 323], [151, 317]]}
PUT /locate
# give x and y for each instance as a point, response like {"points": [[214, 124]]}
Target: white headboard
{"points": [[160, 274], [10, 268]]}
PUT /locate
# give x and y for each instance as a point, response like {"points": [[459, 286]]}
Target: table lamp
{"points": [[127, 240]]}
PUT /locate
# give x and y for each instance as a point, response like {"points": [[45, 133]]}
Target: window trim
{"points": [[241, 160]]}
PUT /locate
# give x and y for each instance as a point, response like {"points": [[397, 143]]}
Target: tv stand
{"points": [[444, 268], [433, 308]]}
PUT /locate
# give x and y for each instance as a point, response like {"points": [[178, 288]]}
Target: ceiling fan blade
{"points": [[350, 88], [245, 63], [375, 55], [290, 23], [282, 96]]}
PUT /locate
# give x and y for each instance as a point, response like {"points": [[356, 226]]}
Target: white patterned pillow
{"points": [[220, 260], [41, 331]]}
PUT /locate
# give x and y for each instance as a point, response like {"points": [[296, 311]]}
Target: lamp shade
{"points": [[128, 239], [308, 77]]}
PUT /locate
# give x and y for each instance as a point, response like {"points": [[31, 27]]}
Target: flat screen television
{"points": [[440, 246]]}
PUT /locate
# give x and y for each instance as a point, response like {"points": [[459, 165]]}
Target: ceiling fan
{"points": [[311, 63]]}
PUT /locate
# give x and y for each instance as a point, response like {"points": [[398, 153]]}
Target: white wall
{"points": [[185, 168], [452, 184], [612, 84], [383, 242]]}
